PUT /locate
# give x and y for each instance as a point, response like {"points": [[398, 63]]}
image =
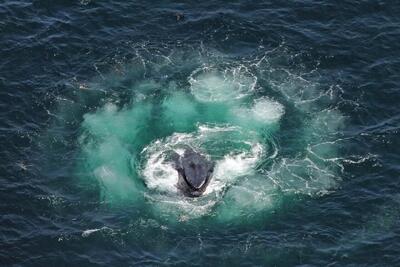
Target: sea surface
{"points": [[296, 102]]}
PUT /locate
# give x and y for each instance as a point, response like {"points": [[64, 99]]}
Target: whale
{"points": [[194, 172]]}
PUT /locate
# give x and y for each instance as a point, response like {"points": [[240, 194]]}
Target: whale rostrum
{"points": [[194, 172]]}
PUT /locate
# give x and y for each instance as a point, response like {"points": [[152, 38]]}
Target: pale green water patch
{"points": [[219, 111], [109, 142], [180, 112]]}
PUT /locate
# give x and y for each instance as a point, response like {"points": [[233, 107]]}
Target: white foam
{"points": [[209, 85], [233, 166], [88, 232], [160, 176], [264, 111]]}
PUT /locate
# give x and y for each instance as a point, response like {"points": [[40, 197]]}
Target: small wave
{"points": [[88, 232]]}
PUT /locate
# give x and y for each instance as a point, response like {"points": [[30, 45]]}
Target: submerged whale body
{"points": [[194, 171]]}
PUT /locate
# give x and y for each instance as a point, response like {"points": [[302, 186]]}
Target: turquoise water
{"points": [[296, 103], [220, 109]]}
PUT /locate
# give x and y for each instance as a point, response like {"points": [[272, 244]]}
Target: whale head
{"points": [[194, 171]]}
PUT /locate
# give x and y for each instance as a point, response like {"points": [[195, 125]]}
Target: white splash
{"points": [[160, 176]]}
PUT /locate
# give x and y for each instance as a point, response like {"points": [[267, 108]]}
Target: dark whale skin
{"points": [[194, 172]]}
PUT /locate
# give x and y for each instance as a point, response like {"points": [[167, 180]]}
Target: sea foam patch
{"points": [[213, 85]]}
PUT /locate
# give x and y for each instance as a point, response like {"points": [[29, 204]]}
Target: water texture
{"points": [[296, 103]]}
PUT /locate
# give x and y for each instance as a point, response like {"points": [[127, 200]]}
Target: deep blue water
{"points": [[87, 88]]}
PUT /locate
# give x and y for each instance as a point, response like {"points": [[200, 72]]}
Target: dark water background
{"points": [[50, 49]]}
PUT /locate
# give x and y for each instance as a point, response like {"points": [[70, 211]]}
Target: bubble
{"points": [[108, 140], [211, 85], [270, 133], [263, 112]]}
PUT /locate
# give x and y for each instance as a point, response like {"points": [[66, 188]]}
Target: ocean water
{"points": [[296, 102]]}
